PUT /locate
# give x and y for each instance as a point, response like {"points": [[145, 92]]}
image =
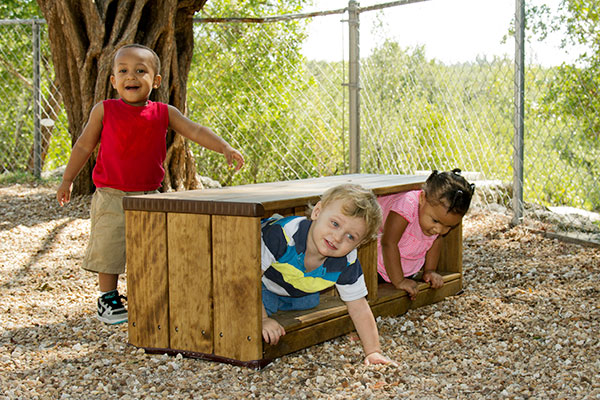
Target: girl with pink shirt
{"points": [[414, 223]]}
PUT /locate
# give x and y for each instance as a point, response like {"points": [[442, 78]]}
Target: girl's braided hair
{"points": [[450, 189]]}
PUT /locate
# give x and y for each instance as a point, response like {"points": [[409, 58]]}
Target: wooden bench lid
{"points": [[256, 200]]}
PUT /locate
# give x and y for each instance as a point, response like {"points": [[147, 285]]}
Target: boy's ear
{"points": [[314, 214], [113, 81], [157, 81]]}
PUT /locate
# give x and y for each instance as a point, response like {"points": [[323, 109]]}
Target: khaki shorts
{"points": [[105, 252]]}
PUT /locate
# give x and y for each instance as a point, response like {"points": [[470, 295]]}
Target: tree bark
{"points": [[84, 34]]}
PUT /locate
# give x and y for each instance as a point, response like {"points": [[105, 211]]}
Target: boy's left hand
{"points": [[232, 155], [434, 279], [378, 358]]}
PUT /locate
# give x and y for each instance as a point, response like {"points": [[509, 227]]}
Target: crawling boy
{"points": [[301, 257]]}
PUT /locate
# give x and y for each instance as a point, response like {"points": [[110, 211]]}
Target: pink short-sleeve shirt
{"points": [[413, 244]]}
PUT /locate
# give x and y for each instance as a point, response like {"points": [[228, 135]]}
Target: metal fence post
{"points": [[518, 153], [37, 136], [354, 86]]}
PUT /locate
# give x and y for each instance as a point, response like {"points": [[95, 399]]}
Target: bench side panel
{"points": [[237, 287], [147, 281], [190, 282], [451, 252], [367, 255]]}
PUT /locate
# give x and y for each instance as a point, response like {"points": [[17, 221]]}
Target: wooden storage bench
{"points": [[193, 270]]}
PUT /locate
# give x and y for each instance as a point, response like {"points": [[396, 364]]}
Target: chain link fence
{"points": [[26, 84], [256, 89], [256, 83]]}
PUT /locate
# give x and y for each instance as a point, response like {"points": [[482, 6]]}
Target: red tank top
{"points": [[132, 146]]}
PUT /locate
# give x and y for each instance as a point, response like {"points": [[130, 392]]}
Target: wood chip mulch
{"points": [[526, 327]]}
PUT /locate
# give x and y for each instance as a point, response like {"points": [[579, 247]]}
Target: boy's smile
{"points": [[134, 75], [332, 233]]}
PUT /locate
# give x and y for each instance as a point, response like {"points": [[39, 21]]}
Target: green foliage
{"points": [[571, 100], [573, 88], [59, 149], [250, 83], [16, 124], [416, 114], [242, 84], [16, 109], [21, 9], [423, 115]]}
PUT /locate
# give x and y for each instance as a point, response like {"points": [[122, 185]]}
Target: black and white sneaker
{"points": [[111, 309]]}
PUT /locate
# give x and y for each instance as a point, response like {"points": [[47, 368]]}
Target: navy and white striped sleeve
{"points": [[273, 242], [351, 282]]}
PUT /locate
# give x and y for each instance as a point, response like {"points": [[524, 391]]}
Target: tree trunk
{"points": [[84, 35]]}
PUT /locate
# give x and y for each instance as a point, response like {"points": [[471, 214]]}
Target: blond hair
{"points": [[358, 202]]}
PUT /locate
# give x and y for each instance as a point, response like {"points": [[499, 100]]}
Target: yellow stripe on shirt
{"points": [[296, 278]]}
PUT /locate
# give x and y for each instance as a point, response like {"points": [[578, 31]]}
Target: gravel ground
{"points": [[526, 326]]}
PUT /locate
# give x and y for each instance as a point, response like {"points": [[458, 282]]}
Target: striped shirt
{"points": [[283, 248]]}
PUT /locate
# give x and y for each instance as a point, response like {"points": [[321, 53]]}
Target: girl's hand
{"points": [[272, 331], [434, 279], [410, 286], [378, 358]]}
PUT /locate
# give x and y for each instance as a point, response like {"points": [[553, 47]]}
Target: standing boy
{"points": [[301, 257], [132, 135]]}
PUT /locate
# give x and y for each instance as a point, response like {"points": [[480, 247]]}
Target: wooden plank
{"points": [[430, 296], [237, 288], [399, 305], [308, 336], [301, 192], [387, 291], [329, 307], [203, 206], [367, 255], [332, 306], [395, 185], [190, 282], [261, 199], [301, 210], [451, 252], [333, 323], [147, 283]]}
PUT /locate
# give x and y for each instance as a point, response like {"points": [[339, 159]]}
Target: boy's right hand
{"points": [[63, 193], [271, 330], [410, 286], [378, 358]]}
